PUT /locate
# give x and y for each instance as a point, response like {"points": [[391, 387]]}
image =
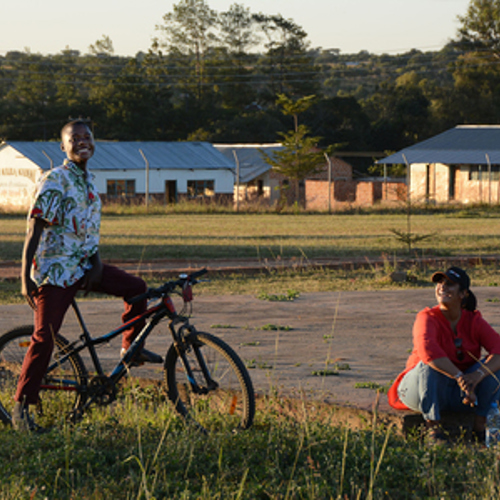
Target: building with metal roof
{"points": [[254, 176], [123, 170], [459, 165], [256, 180]]}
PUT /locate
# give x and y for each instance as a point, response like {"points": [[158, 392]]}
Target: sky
{"points": [[382, 26]]}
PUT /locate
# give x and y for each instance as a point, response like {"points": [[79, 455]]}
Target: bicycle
{"points": [[204, 378]]}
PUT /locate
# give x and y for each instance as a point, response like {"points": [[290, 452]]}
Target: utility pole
{"points": [[146, 201]]}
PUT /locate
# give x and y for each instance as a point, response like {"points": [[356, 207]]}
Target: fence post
{"points": [[329, 162], [237, 180], [146, 201]]}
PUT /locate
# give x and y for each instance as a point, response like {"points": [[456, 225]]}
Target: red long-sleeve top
{"points": [[433, 338]]}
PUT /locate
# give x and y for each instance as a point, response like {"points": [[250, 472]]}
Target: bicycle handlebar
{"points": [[167, 287]]}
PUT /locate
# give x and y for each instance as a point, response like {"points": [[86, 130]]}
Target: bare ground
{"points": [[321, 354]]}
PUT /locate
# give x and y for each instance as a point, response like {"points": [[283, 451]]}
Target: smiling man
{"points": [[60, 257]]}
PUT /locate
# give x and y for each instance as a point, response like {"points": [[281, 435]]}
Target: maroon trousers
{"points": [[52, 302]]}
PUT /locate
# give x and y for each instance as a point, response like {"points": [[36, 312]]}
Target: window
{"points": [[480, 172], [200, 189], [120, 188]]}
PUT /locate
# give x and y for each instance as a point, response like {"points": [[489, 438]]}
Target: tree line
{"points": [[216, 76]]}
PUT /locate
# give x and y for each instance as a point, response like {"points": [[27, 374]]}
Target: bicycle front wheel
{"points": [[63, 389], [220, 395]]}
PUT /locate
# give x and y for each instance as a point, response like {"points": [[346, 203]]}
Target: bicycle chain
{"points": [[102, 390]]}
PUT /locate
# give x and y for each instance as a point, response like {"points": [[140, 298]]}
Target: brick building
{"points": [[344, 191], [461, 165], [258, 182]]}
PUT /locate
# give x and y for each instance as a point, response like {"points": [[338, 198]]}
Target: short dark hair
{"points": [[75, 123]]}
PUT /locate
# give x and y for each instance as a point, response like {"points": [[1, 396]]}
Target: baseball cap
{"points": [[455, 275]]}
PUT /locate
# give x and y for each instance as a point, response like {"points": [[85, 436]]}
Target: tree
{"points": [[300, 156], [475, 97], [129, 110], [70, 93], [339, 120], [237, 38], [252, 126], [236, 28], [399, 113], [480, 30], [104, 46], [30, 98], [189, 33], [287, 64]]}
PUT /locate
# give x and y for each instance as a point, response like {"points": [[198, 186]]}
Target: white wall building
{"points": [[460, 165], [124, 171]]}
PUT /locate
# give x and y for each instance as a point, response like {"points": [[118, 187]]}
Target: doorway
{"points": [[170, 192], [452, 181]]}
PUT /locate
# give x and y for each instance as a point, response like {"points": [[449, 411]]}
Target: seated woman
{"points": [[444, 371]]}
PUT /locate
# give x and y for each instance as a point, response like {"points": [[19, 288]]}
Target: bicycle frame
{"points": [[155, 314], [179, 327], [201, 372]]}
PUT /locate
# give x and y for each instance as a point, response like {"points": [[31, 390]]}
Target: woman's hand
{"points": [[469, 400], [470, 380], [468, 383]]}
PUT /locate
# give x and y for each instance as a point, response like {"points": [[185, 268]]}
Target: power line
{"points": [[362, 71], [326, 67]]}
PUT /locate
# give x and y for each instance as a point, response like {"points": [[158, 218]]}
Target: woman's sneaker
{"points": [[435, 436]]}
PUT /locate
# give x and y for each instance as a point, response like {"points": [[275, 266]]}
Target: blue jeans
{"points": [[429, 392]]}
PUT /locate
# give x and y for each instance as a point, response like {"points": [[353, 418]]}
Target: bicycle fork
{"points": [[182, 347]]}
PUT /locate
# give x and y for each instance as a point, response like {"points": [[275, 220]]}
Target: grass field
{"points": [[137, 449], [268, 236]]}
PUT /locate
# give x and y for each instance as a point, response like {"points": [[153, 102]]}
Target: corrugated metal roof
{"points": [[464, 144], [250, 159], [126, 155]]}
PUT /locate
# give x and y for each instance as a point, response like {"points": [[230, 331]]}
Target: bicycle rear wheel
{"points": [[223, 396], [63, 389]]}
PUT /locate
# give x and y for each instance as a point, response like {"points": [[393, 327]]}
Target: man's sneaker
{"points": [[22, 420], [144, 356]]}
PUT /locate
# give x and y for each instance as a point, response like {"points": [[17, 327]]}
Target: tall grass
{"points": [[138, 449]]}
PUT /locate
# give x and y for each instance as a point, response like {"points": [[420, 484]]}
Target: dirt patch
{"points": [[368, 332]]}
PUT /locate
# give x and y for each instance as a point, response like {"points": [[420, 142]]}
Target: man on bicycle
{"points": [[60, 257]]}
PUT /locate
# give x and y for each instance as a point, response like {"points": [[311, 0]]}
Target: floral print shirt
{"points": [[67, 199]]}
